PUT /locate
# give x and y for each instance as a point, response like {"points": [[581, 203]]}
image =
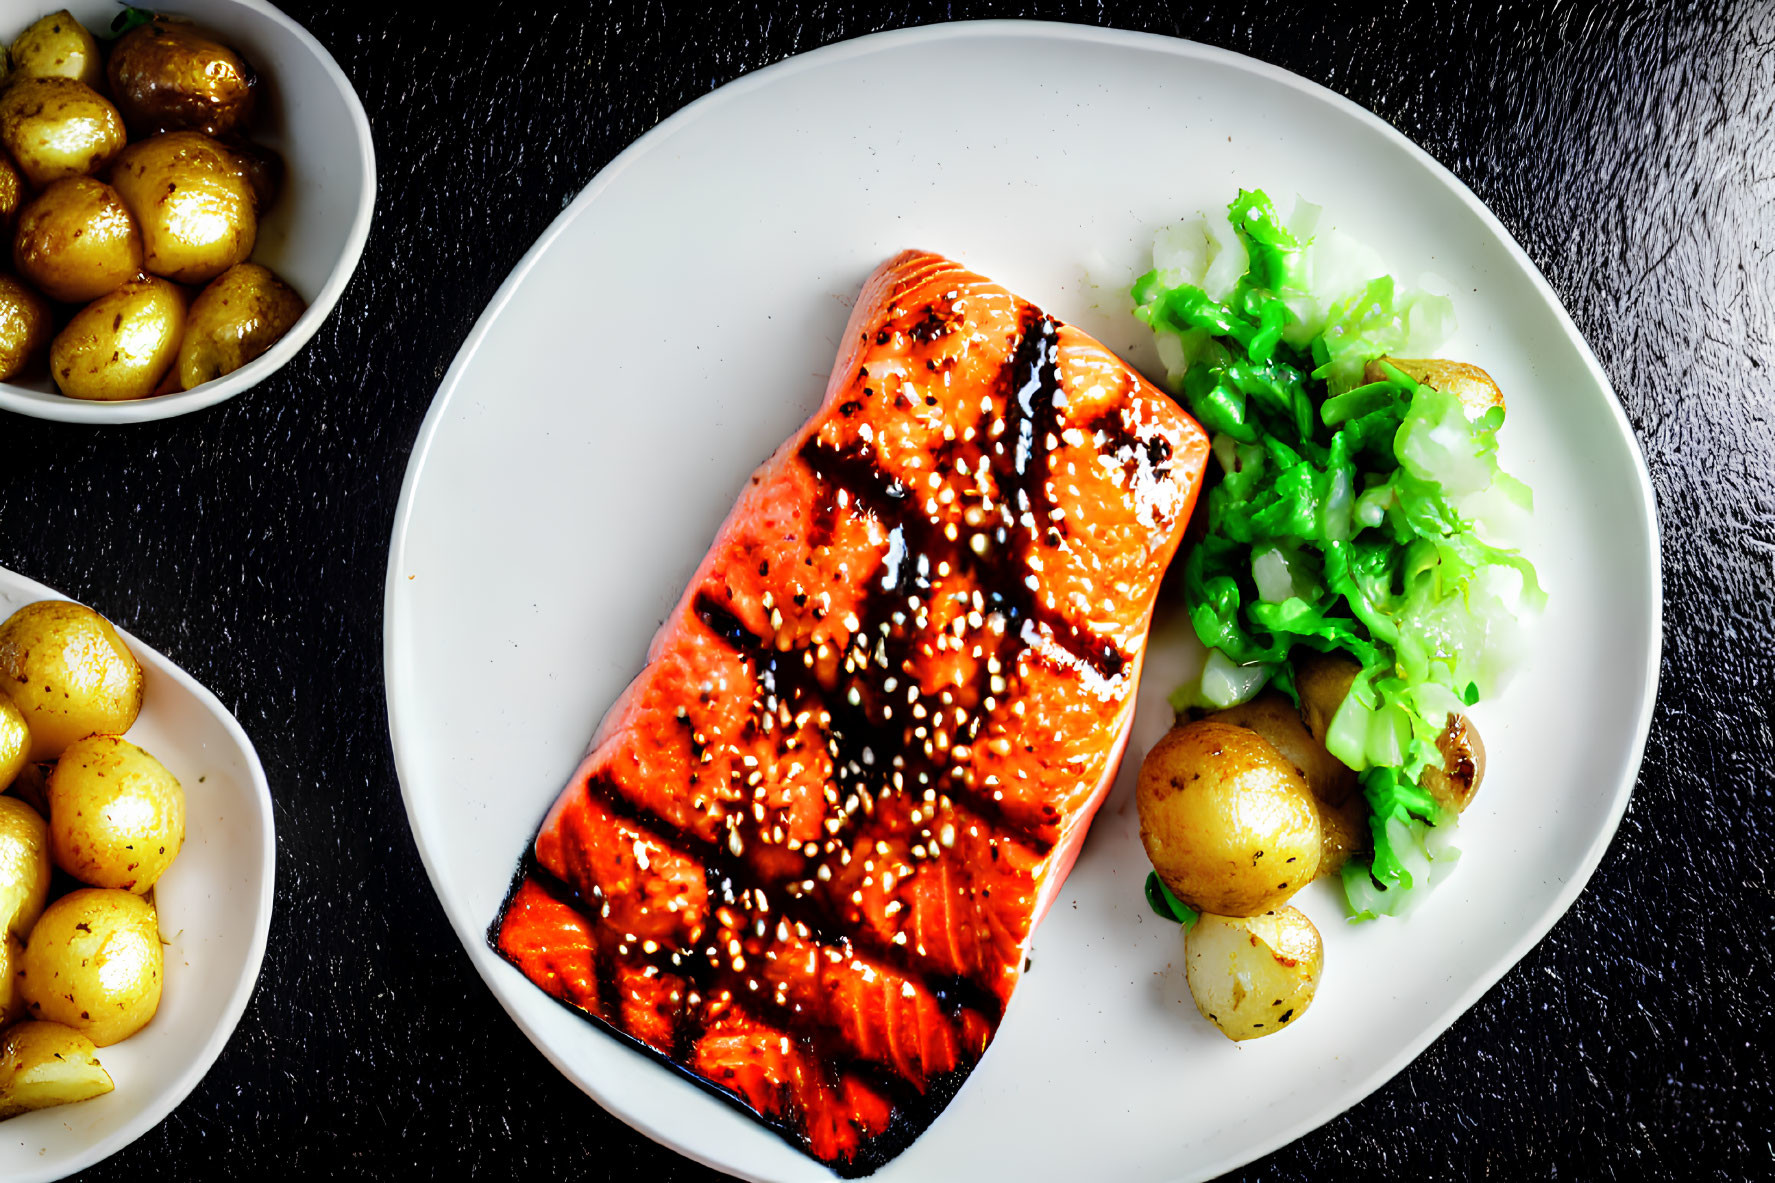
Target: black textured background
{"points": [[1630, 148]]}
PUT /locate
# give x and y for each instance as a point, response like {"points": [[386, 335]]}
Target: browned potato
{"points": [[58, 127], [44, 1064], [24, 326], [191, 199], [1272, 716], [76, 241], [12, 1003], [94, 962], [13, 192], [263, 169], [1252, 976], [15, 742], [238, 317], [1472, 385], [1228, 823], [69, 672], [24, 866], [116, 815], [1463, 765], [169, 77], [122, 344], [58, 46]]}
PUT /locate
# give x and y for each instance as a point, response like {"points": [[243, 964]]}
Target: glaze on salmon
{"points": [[805, 854]]}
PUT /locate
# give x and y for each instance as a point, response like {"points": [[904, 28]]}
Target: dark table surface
{"points": [[1631, 150]]}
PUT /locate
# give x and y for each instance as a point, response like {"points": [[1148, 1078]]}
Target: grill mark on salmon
{"points": [[805, 854]]}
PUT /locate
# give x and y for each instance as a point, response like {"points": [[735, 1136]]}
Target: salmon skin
{"points": [[805, 854]]}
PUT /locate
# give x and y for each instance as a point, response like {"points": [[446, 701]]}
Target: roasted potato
{"points": [[15, 742], [94, 962], [58, 46], [76, 241], [1272, 716], [116, 815], [263, 170], [13, 192], [12, 1003], [237, 317], [44, 1064], [1472, 385], [169, 77], [191, 199], [1463, 765], [25, 325], [58, 127], [1251, 976], [69, 672], [1228, 823], [122, 344], [24, 866]]}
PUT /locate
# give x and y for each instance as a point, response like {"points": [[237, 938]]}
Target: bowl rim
{"points": [[37, 404], [232, 1010]]}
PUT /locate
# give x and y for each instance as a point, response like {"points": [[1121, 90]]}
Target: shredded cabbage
{"points": [[1370, 518]]}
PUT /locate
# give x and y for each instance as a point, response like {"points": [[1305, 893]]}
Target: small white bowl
{"points": [[315, 232], [215, 914]]}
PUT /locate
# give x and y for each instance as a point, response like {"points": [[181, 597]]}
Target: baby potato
{"points": [[1323, 680], [44, 1064], [13, 192], [69, 673], [169, 77], [58, 127], [1228, 823], [58, 46], [32, 785], [122, 344], [76, 241], [116, 815], [12, 1003], [24, 866], [94, 962], [1251, 976], [237, 317], [1272, 716], [1463, 765], [263, 169], [192, 201], [24, 326], [15, 742]]}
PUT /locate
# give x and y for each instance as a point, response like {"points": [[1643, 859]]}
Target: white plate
{"points": [[678, 321], [215, 913], [315, 232]]}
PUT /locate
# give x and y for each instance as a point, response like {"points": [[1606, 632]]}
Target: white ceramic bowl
{"points": [[215, 913], [315, 233]]}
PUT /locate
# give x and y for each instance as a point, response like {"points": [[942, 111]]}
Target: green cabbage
{"points": [[1369, 518]]}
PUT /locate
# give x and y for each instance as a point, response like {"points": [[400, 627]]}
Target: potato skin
{"points": [[25, 324], [15, 742], [76, 241], [192, 202], [94, 962], [58, 127], [69, 672], [24, 866], [58, 46], [122, 344], [13, 193], [116, 815], [1228, 823], [12, 1003], [240, 315], [1474, 387], [1252, 976], [44, 1064], [166, 76]]}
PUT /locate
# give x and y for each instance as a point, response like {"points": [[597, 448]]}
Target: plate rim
{"points": [[472, 935], [59, 408], [235, 1008]]}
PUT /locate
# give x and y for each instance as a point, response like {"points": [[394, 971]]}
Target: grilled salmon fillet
{"points": [[805, 854]]}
